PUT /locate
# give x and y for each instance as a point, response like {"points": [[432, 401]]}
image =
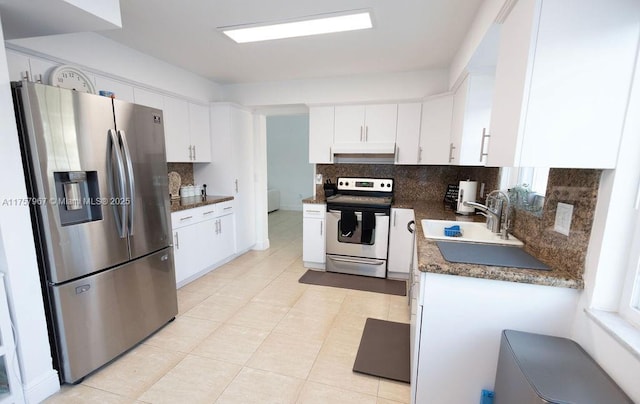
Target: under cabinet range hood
{"points": [[371, 153]]}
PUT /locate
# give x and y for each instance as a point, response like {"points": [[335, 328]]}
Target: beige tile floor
{"points": [[248, 332]]}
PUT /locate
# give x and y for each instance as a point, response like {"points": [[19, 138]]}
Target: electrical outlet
{"points": [[318, 179], [564, 214]]}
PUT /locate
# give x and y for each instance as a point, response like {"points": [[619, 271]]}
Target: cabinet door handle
{"points": [[366, 133], [485, 135], [419, 154], [190, 153], [361, 134], [186, 217], [397, 154], [228, 207], [321, 223], [236, 186], [451, 147], [208, 212], [330, 154], [177, 241], [194, 152]]}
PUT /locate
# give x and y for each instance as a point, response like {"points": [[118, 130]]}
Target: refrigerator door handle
{"points": [[113, 146], [131, 200]]}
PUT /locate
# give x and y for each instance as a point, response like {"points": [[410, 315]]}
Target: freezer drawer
{"points": [[101, 316]]}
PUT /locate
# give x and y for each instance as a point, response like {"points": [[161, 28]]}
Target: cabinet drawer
{"points": [[184, 218], [224, 208], [314, 210], [191, 216]]}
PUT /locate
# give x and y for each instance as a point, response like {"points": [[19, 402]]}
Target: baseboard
{"points": [[205, 271], [314, 265], [291, 207], [261, 245], [38, 390]]}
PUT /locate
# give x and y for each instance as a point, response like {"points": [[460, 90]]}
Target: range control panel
{"points": [[365, 184]]}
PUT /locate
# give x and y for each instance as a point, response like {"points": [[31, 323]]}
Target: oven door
{"points": [[349, 255]]}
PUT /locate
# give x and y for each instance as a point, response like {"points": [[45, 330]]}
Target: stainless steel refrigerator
{"points": [[96, 177]]}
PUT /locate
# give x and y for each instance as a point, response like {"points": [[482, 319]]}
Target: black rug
{"points": [[384, 350], [357, 282]]}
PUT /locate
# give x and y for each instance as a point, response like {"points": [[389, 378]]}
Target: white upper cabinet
{"points": [[470, 123], [148, 98], [186, 131], [435, 130], [408, 133], [562, 80], [18, 65], [365, 128], [120, 90], [176, 130], [199, 132], [321, 121]]}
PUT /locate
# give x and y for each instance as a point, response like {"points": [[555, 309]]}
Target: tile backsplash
{"points": [[185, 170], [424, 183], [571, 186], [577, 187]]}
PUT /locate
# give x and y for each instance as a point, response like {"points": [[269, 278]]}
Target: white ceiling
{"points": [[408, 35]]}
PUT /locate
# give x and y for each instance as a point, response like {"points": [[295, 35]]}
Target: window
{"points": [[630, 299], [527, 186], [535, 178]]}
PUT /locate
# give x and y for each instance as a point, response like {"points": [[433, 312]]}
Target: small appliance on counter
{"points": [[330, 188], [466, 193]]}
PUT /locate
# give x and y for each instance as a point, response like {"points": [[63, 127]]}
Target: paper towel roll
{"points": [[466, 192]]}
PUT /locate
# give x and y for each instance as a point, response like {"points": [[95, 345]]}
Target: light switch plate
{"points": [[318, 179], [564, 214]]}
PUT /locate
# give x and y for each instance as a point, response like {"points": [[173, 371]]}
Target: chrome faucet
{"points": [[493, 211]]}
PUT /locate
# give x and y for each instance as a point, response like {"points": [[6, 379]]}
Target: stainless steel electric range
{"points": [[358, 226]]}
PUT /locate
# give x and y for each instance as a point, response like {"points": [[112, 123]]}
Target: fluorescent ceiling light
{"points": [[324, 24]]}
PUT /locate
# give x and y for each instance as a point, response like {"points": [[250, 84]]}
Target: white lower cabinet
{"points": [[313, 235], [203, 238], [457, 324], [400, 243]]}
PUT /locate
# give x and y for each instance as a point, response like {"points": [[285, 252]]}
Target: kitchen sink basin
{"points": [[472, 232]]}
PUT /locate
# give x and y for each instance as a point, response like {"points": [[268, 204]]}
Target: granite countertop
{"points": [[430, 259], [316, 200], [197, 201]]}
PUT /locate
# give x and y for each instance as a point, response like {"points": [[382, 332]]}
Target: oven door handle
{"points": [[357, 261]]}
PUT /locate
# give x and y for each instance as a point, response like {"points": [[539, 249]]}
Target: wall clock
{"points": [[66, 76]]}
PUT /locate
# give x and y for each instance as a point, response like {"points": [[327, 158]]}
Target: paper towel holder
{"points": [[466, 193]]}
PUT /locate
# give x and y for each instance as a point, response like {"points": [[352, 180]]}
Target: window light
{"points": [[319, 24]]}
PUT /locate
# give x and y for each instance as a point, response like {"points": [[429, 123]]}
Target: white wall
{"points": [[260, 153], [489, 11], [363, 88], [288, 165], [18, 258], [98, 54], [606, 261]]}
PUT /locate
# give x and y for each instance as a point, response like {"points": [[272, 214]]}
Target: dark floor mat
{"points": [[384, 350], [487, 254], [357, 282]]}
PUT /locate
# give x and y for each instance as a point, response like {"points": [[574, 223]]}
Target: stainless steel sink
{"points": [[472, 232]]}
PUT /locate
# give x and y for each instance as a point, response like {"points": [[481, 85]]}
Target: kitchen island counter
{"points": [[431, 260], [197, 201]]}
